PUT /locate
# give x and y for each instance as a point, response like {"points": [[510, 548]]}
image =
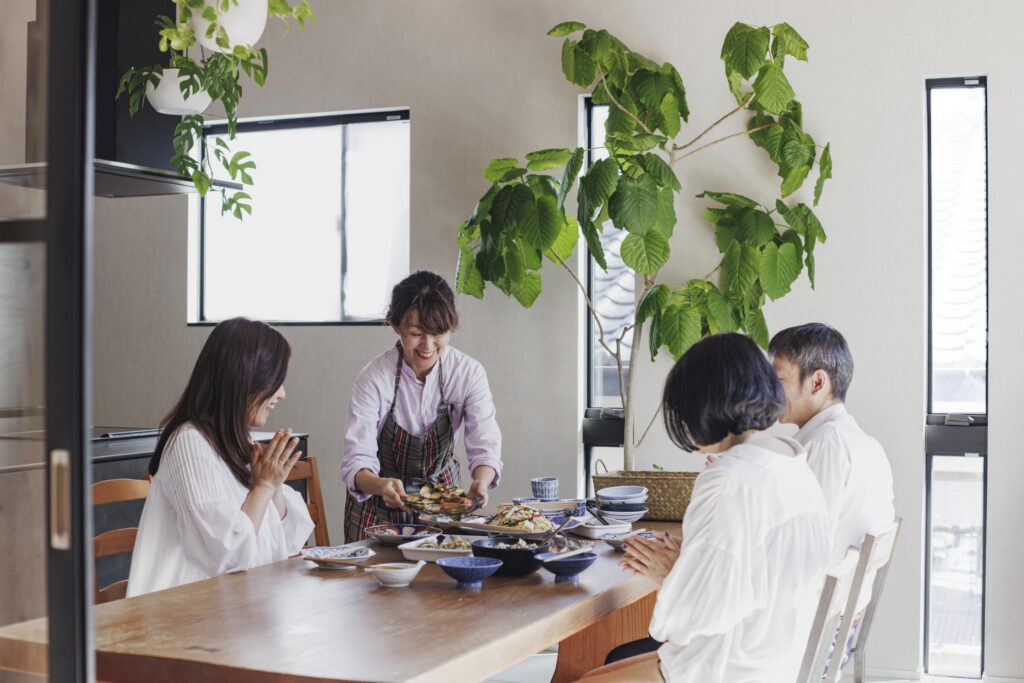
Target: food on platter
{"points": [[521, 517], [453, 544], [441, 499], [521, 544]]}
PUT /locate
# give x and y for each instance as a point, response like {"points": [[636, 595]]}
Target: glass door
{"points": [[45, 205]]}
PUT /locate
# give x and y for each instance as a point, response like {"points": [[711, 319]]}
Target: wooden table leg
{"points": [[586, 650]]}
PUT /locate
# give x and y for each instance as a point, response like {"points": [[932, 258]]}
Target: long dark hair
{"points": [[722, 385], [242, 364]]}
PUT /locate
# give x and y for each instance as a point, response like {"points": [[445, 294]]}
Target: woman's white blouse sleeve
{"points": [[215, 534], [297, 523]]}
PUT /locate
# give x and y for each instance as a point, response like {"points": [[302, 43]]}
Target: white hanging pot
{"points": [[244, 24], [166, 97]]}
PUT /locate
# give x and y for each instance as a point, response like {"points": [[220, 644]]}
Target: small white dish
{"points": [[617, 541], [621, 493], [395, 574], [595, 530], [414, 550], [325, 555]]}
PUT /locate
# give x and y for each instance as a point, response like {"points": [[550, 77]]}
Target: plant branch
{"points": [[715, 142], [650, 424], [604, 82], [743, 105], [717, 268], [597, 319]]}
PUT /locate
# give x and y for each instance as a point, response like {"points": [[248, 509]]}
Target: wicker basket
{"points": [[668, 492]]}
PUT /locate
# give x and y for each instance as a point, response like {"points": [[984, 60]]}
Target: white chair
{"points": [[827, 618], [873, 566]]}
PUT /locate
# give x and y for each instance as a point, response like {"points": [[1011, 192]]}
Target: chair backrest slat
{"points": [[116, 541], [827, 617], [307, 469]]}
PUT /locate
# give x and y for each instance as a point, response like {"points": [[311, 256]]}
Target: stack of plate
{"points": [[624, 504]]}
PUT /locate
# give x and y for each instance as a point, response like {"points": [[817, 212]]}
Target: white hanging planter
{"points": [[166, 97], [244, 24]]}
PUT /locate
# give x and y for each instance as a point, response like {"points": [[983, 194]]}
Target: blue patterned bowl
{"points": [[570, 568], [470, 572], [396, 534]]}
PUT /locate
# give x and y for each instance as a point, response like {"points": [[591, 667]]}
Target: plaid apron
{"points": [[416, 460]]}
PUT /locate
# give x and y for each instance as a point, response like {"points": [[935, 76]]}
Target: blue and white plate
{"points": [[396, 534], [325, 555]]}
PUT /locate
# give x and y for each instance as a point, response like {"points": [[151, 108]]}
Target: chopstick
{"points": [[350, 563], [558, 556]]}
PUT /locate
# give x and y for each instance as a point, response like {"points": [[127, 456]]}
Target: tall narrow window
{"points": [[956, 432]]}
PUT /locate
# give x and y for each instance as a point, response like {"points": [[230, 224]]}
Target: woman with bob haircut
{"points": [[218, 502], [407, 408], [737, 598]]}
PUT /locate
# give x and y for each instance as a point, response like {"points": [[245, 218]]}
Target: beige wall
{"points": [[482, 80]]}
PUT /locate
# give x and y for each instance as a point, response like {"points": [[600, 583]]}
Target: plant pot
{"points": [[166, 97], [244, 24]]}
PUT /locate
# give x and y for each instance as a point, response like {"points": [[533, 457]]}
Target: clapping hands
{"points": [[271, 464], [651, 558]]}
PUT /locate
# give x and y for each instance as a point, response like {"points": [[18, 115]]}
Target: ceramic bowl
{"points": [[515, 561], [470, 572], [621, 493], [624, 517], [414, 550], [617, 541], [570, 568], [322, 555], [396, 534], [597, 530], [621, 507], [395, 574]]}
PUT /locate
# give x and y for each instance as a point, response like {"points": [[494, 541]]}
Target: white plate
{"points": [[413, 552], [353, 552], [599, 530]]}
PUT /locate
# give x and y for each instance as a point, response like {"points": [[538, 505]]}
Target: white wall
{"points": [[482, 80]]}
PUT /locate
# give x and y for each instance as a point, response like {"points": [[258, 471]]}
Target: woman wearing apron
{"points": [[407, 408]]}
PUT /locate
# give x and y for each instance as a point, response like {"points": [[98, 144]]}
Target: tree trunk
{"points": [[629, 410]]}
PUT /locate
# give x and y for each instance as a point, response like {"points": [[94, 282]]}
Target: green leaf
{"points": [[483, 207], [526, 215], [634, 204], [202, 182], [793, 179], [793, 219], [735, 80], [548, 158], [650, 87], [811, 221], [754, 227], [601, 181], [468, 279], [654, 336], [652, 303], [768, 139], [678, 90], [572, 169], [527, 289], [729, 199], [515, 261], [503, 211], [796, 153], [756, 327], [740, 266], [549, 224], [721, 310], [565, 28], [566, 240], [779, 267], [788, 42], [666, 222], [498, 168], [646, 253], [772, 89], [577, 65], [824, 172], [594, 245], [670, 115], [680, 329], [745, 48], [662, 172]]}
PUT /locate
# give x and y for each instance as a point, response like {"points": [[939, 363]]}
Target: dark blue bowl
{"points": [[570, 568], [470, 572], [515, 561]]}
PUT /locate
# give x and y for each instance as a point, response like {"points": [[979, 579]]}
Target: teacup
{"points": [[545, 487]]}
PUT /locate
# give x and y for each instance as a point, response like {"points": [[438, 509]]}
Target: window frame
{"points": [[284, 123], [943, 438]]}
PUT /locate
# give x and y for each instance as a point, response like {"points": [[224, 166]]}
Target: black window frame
{"points": [[945, 437], [286, 123]]}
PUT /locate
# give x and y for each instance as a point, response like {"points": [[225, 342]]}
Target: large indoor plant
{"points": [[521, 219], [217, 74]]}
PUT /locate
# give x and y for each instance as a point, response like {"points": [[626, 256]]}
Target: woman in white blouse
{"points": [[218, 502], [737, 598]]}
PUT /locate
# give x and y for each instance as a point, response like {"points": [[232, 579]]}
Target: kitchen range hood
{"points": [[132, 153]]}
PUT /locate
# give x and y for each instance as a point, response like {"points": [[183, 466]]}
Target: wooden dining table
{"points": [[292, 622]]}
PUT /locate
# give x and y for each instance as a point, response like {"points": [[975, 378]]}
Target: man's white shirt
{"points": [[854, 474]]}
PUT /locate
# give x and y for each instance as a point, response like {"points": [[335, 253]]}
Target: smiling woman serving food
{"points": [[407, 408]]}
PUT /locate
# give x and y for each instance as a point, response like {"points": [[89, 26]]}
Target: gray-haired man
{"points": [[815, 366]]}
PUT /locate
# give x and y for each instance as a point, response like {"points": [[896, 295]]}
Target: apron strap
{"points": [[398, 378]]}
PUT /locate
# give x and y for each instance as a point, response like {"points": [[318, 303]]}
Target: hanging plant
{"points": [[215, 75]]}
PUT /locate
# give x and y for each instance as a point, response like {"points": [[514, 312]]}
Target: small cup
{"points": [[579, 503], [545, 487]]}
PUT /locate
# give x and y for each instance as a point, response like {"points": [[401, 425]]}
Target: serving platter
{"points": [[519, 533], [339, 556], [414, 550]]}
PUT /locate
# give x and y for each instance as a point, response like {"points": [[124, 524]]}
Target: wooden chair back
{"points": [[307, 469], [827, 618], [875, 559], [116, 541]]}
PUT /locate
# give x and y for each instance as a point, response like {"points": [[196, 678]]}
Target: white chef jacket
{"points": [[854, 474], [738, 604], [192, 524]]}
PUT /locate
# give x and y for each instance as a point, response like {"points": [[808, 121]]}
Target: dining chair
{"points": [[306, 469], [873, 567], [827, 618], [116, 541]]}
